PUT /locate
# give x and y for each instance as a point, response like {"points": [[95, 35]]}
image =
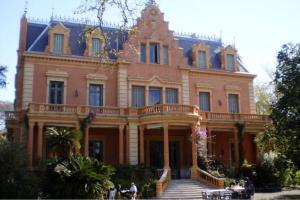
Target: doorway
{"points": [[157, 157], [174, 157]]}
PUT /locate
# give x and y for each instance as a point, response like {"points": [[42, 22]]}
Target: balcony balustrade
{"points": [[148, 110]]}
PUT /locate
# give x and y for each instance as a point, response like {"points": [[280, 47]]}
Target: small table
{"points": [[237, 190], [217, 193]]}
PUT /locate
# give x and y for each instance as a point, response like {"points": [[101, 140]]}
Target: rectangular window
{"points": [[154, 53], [155, 96], [230, 62], [233, 103], [166, 55], [172, 95], [202, 59], [56, 92], [96, 150], [138, 96], [143, 53], [96, 46], [96, 95], [58, 47], [204, 101]]}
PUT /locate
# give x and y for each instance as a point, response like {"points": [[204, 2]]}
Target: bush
{"points": [[143, 177], [229, 181], [76, 177], [297, 177], [15, 180]]}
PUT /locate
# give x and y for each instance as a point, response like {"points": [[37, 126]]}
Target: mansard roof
{"points": [[37, 40]]}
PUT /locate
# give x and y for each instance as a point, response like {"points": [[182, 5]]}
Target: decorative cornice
{"points": [[72, 58], [217, 72], [153, 79]]}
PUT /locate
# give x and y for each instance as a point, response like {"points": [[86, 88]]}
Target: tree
{"points": [[264, 96], [3, 70], [286, 109], [62, 141]]}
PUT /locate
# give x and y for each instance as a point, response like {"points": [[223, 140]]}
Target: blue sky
{"points": [[260, 27]]}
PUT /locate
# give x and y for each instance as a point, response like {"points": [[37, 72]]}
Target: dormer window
{"points": [[229, 59], [154, 53], [94, 43], [202, 59], [58, 40], [96, 46], [58, 47], [230, 62], [201, 56]]}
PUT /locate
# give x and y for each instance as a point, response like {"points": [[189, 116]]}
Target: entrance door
{"points": [[174, 157], [156, 154]]}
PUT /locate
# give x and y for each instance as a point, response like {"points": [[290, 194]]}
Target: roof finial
{"points": [[233, 41], [25, 9], [52, 13]]}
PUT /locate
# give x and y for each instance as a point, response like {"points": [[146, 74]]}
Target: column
{"points": [[121, 144], [236, 148], [194, 167], [142, 153], [86, 141], [40, 140], [133, 143], [166, 146], [194, 146], [30, 144]]}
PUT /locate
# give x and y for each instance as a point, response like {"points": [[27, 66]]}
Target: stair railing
{"points": [[209, 179], [163, 182]]}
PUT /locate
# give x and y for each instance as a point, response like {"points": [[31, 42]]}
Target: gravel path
{"points": [[291, 194]]}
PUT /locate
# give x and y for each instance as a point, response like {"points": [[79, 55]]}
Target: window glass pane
{"points": [[96, 46], [230, 62], [154, 53], [143, 53], [154, 96], [96, 150], [202, 59], [138, 96], [172, 95], [96, 95], [58, 43], [204, 101], [233, 102], [166, 55], [56, 92]]}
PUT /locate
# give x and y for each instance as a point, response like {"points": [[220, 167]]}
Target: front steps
{"points": [[184, 189]]}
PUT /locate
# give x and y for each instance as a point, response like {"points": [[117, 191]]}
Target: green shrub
{"points": [[76, 177], [229, 181], [297, 177], [143, 177], [15, 180]]}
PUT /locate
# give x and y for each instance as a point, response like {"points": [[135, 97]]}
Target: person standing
{"points": [[133, 190]]}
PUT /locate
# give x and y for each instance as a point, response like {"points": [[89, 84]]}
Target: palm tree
{"points": [[62, 141]]}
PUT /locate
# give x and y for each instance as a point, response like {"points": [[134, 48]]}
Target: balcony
{"points": [[213, 116], [162, 109]]}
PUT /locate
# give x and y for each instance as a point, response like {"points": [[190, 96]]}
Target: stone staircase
{"points": [[184, 189]]}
